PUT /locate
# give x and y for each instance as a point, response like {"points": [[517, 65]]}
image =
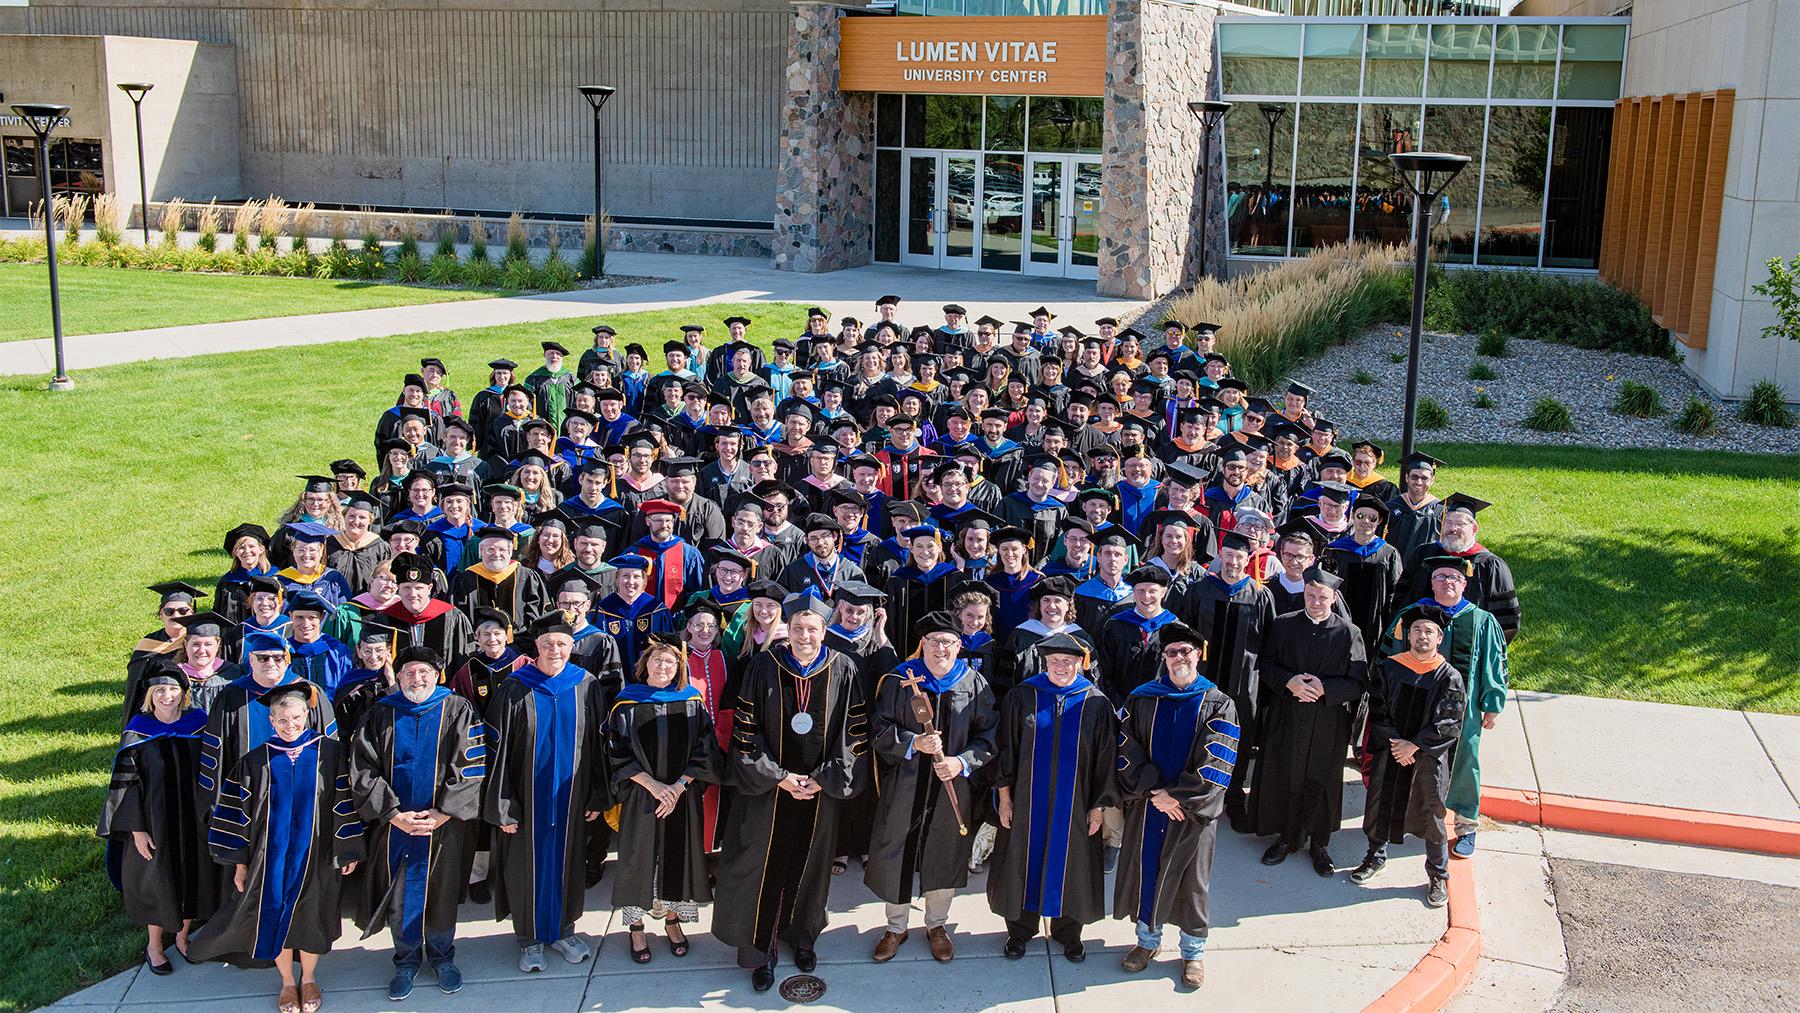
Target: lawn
{"points": [[1649, 575], [99, 300]]}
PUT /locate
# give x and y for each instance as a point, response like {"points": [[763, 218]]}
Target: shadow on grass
{"points": [[1686, 617]]}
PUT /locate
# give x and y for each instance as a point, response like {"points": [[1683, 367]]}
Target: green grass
{"points": [[99, 300], [189, 448], [1646, 575]]}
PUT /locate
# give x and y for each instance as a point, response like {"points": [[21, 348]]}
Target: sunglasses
{"points": [[266, 656], [177, 611]]}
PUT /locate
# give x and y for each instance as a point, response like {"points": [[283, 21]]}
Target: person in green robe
{"points": [[550, 384], [1475, 646]]}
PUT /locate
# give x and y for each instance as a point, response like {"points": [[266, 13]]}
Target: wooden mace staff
{"points": [[922, 713]]}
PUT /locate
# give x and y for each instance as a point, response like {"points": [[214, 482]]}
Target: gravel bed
{"points": [[1584, 380], [622, 281]]}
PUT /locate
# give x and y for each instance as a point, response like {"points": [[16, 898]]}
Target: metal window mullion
{"points": [[1362, 78], [1293, 173]]}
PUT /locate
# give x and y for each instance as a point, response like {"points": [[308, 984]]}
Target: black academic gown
{"points": [[856, 816], [1056, 751], [357, 565], [1186, 744], [1128, 652], [293, 824], [1299, 777], [911, 596], [917, 845], [1425, 708], [1408, 529], [239, 722], [776, 868], [1233, 625], [1372, 578], [410, 757], [518, 591], [665, 735], [440, 627], [154, 789], [545, 772]]}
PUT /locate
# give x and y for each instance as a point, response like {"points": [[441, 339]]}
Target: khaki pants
{"points": [[937, 911], [1112, 825]]}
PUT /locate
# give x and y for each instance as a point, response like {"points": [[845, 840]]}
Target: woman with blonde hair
{"points": [[660, 740], [538, 495], [763, 625], [316, 504]]}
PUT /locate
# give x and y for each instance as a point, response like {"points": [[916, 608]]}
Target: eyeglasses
{"points": [[1178, 652], [1449, 578], [266, 656]]}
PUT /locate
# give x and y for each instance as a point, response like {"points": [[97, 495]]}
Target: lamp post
{"points": [[136, 93], [1210, 114], [42, 118], [1424, 165], [1273, 112], [596, 95]]}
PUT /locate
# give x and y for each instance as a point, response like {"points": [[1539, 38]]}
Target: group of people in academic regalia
{"points": [[931, 600]]}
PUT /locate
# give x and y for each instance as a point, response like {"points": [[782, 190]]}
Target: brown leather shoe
{"points": [[1136, 959], [1193, 973], [888, 945], [941, 947]]}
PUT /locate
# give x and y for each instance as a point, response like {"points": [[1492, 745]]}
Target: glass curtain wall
{"points": [[1319, 105]]}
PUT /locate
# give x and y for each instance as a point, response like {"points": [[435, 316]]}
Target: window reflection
{"points": [[1512, 203], [1323, 162], [1333, 64], [1260, 59], [1459, 60], [1003, 211], [1066, 124], [1259, 143], [1578, 188], [1396, 60], [1457, 129], [1525, 61], [1383, 203], [1593, 57]]}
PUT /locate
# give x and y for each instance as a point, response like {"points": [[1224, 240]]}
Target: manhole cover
{"points": [[802, 988]]}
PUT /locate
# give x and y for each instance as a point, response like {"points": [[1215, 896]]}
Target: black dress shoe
{"points": [[1277, 853], [1322, 863], [1075, 951], [1014, 948], [480, 893], [806, 960], [763, 978], [167, 967]]}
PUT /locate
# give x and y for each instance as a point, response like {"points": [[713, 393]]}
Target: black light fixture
{"points": [[1273, 112], [136, 93], [1210, 114], [596, 95], [42, 118], [1427, 174]]}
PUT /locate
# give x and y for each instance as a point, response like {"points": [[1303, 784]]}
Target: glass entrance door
{"points": [[941, 206], [1064, 237]]}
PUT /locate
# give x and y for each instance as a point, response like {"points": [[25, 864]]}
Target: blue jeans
{"points": [[1150, 938], [438, 947]]}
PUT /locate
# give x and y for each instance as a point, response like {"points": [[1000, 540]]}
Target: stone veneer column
{"points": [[1159, 58], [825, 180]]}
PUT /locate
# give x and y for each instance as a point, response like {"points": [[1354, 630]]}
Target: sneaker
{"points": [[1371, 866], [1112, 858], [572, 948], [1464, 846], [449, 978], [401, 986], [983, 848], [531, 958], [1437, 894]]}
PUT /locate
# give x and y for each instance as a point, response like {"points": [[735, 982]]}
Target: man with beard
{"points": [[496, 580], [544, 789], [822, 567], [797, 753], [1314, 671], [1415, 515], [921, 841], [416, 770], [421, 620], [1490, 579]]}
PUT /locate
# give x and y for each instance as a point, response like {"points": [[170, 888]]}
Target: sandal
{"points": [[679, 947], [310, 997], [288, 1001], [639, 955]]}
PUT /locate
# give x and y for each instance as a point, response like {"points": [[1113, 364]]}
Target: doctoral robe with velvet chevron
{"points": [[239, 722]]}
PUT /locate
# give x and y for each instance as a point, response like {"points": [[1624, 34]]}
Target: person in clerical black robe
{"points": [[545, 786], [239, 720], [496, 580], [1490, 583], [798, 750], [416, 770], [1056, 749], [1416, 713], [286, 829], [155, 817], [1232, 610], [1129, 646], [659, 743], [1371, 567], [918, 587], [858, 629], [421, 620], [179, 600], [1297, 548], [1314, 671], [1177, 745], [920, 845]]}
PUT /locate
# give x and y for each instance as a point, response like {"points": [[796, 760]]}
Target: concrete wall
{"points": [[472, 103], [64, 71], [190, 118], [1748, 45]]}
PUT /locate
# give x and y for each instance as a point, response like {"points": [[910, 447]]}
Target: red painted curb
{"points": [[1647, 822], [1446, 968]]}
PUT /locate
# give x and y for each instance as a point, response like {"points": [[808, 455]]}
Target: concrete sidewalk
{"points": [[1724, 761], [693, 280]]}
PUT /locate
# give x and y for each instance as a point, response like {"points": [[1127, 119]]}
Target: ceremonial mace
{"points": [[921, 708]]}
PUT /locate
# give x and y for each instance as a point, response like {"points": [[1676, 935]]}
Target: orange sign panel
{"points": [[974, 56]]}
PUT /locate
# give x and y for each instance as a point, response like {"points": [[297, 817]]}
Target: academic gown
{"points": [[856, 817], [1095, 602], [676, 568], [1043, 519], [239, 722], [293, 823], [440, 627], [154, 789], [477, 679], [516, 590], [1129, 649], [323, 661], [1422, 703], [666, 734], [1232, 619], [354, 697], [630, 624], [1491, 587], [911, 596], [1476, 648], [545, 772], [1019, 655], [1185, 742], [1056, 749], [410, 757], [147, 657], [1283, 601], [1410, 528], [917, 846], [1372, 575], [776, 868], [806, 575], [358, 564], [1299, 778]]}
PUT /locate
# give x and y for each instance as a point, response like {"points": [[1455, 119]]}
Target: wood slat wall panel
{"points": [[1665, 195]]}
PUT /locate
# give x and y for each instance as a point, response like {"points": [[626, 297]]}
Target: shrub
{"points": [[1432, 415], [1483, 400], [590, 248], [1480, 370], [208, 226], [269, 222], [409, 241], [1637, 401], [481, 274], [1783, 290], [70, 211], [478, 240], [21, 251], [1363, 377], [1545, 308], [1766, 405], [443, 269], [194, 261], [298, 262], [519, 274], [1493, 343], [515, 236], [1548, 415], [557, 275], [169, 221], [300, 226], [243, 222], [261, 262], [1698, 418], [409, 267], [107, 218], [446, 238], [1396, 357]]}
